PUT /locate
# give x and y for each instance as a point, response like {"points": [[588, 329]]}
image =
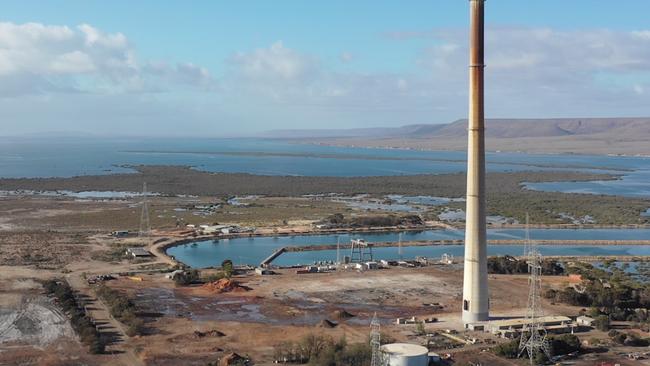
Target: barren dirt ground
{"points": [[36, 243], [288, 306]]}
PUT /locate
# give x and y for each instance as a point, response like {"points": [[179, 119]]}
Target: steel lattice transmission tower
{"points": [[400, 251], [533, 335], [145, 226], [360, 251], [375, 342]]}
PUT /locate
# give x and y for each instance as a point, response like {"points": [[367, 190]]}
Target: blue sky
{"points": [[238, 67]]}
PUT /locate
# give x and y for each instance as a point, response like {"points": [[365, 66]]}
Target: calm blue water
{"points": [[254, 250], [65, 157]]}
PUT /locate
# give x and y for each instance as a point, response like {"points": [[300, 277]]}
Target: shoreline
{"points": [[411, 144], [350, 156], [160, 246]]}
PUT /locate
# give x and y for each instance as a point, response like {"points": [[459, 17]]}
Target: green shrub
{"points": [[602, 323], [564, 344], [509, 349], [187, 277], [228, 268], [318, 350]]}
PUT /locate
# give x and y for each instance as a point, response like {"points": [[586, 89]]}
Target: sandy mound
{"points": [[232, 359], [342, 315], [327, 324], [225, 285], [209, 333]]}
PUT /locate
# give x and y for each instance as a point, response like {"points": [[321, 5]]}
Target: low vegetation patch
{"points": [[610, 291], [505, 193], [123, 309], [340, 221], [558, 345], [320, 350], [511, 265], [628, 339]]}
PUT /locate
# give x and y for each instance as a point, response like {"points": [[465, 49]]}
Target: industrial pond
{"points": [[208, 253]]}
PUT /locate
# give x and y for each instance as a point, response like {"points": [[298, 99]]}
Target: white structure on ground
{"points": [[172, 275], [447, 259], [585, 321], [137, 252], [405, 354]]}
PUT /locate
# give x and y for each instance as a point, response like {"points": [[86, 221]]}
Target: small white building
{"points": [[371, 265], [585, 321], [212, 229], [138, 252]]}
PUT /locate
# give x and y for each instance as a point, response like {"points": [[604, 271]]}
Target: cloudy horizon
{"points": [[87, 77]]}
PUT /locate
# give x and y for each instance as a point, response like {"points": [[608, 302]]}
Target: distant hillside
{"points": [[514, 128], [353, 132], [558, 135]]}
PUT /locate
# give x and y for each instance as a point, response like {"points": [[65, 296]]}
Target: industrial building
{"points": [[214, 229], [138, 252], [120, 233], [511, 328], [405, 354]]}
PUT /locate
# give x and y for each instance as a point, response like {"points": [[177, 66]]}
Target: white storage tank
{"points": [[406, 354]]}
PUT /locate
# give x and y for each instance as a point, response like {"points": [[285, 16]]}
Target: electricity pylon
{"points": [[375, 342], [399, 246], [145, 226], [533, 335]]}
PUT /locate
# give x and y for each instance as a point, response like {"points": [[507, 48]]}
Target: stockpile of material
{"points": [[225, 285], [342, 315]]}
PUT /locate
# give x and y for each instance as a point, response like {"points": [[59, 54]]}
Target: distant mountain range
{"points": [[561, 135], [496, 128]]}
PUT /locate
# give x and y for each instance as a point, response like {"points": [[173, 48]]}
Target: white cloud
{"points": [[38, 58], [531, 72], [72, 62], [346, 57], [639, 89], [50, 71], [275, 62], [543, 72]]}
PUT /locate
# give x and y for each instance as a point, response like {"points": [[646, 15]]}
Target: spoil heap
{"points": [[325, 323], [342, 315], [225, 285], [209, 333], [233, 359]]}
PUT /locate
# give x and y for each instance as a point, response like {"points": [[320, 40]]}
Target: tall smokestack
{"points": [[475, 287]]}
